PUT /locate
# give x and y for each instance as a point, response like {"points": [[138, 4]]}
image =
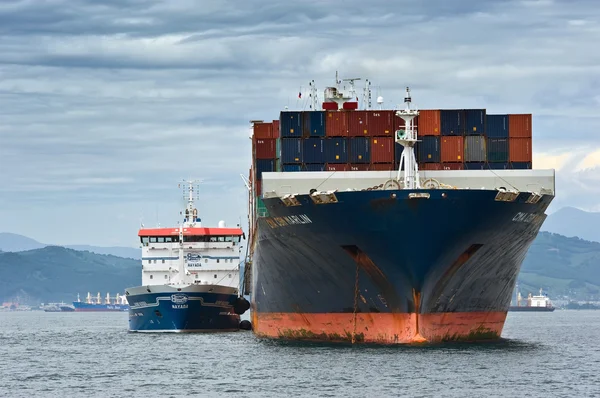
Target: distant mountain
{"points": [[570, 221], [561, 266], [16, 243], [55, 273]]}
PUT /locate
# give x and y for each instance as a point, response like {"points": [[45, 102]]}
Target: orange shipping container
{"points": [[358, 123], [336, 124], [263, 130], [337, 167], [383, 167], [381, 123], [519, 126], [265, 148], [275, 128], [452, 148], [453, 166], [519, 149], [359, 167], [258, 186], [382, 150], [430, 166], [429, 122]]}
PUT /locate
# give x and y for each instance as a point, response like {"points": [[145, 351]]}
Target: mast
{"points": [[408, 138], [190, 220]]}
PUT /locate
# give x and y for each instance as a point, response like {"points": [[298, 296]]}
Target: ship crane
{"points": [[407, 137]]}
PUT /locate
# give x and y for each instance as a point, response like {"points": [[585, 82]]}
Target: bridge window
{"points": [[151, 276], [160, 239], [168, 239], [145, 239], [217, 260], [195, 238], [215, 276]]}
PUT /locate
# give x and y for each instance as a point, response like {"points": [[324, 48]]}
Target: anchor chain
{"points": [[355, 304]]}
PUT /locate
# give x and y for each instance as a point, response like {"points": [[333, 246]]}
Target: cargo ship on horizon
{"points": [[362, 231], [539, 303], [91, 304]]}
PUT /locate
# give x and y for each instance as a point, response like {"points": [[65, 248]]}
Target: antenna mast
{"points": [[313, 96], [367, 95], [408, 138]]}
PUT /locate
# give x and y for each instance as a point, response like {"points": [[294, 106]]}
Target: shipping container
{"points": [[290, 124], [497, 150], [313, 150], [382, 150], [358, 123], [496, 126], [499, 166], [258, 186], [381, 123], [291, 150], [519, 126], [399, 123], [359, 167], [336, 124], [314, 123], [314, 167], [428, 122], [430, 166], [521, 165], [276, 133], [453, 166], [263, 130], [475, 166], [291, 167], [336, 150], [263, 166], [475, 148], [428, 150], [452, 122], [337, 167], [383, 167], [265, 148], [452, 148], [474, 121], [330, 106], [261, 209], [359, 150], [519, 149]]}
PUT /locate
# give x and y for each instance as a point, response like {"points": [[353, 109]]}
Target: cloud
{"points": [[106, 106]]}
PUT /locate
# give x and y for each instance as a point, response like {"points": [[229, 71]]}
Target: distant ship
{"points": [[190, 278], [118, 304], [540, 303]]}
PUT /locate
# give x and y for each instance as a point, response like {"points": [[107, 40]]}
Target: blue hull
{"points": [[380, 267], [185, 311]]}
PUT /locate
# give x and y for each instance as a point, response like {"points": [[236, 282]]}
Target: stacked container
{"points": [[519, 141]]}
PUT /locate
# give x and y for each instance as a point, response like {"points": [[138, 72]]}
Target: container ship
{"points": [[91, 304], [190, 277], [539, 303], [389, 226]]}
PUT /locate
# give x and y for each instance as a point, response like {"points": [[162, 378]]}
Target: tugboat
{"points": [[190, 277], [540, 303]]}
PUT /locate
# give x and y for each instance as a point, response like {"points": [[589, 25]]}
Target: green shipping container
{"points": [[261, 209]]}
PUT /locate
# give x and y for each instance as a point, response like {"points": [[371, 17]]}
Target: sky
{"points": [[105, 106]]}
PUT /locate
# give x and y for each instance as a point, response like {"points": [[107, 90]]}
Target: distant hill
{"points": [[55, 273], [570, 221], [16, 243], [562, 266]]}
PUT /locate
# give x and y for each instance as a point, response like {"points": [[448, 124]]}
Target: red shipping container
{"points": [[258, 186], [336, 124], [330, 106], [265, 148], [519, 149], [453, 166], [359, 167], [382, 150], [383, 167], [337, 167], [452, 148], [276, 129], [381, 123], [519, 126], [263, 130], [430, 166], [358, 123], [429, 122]]}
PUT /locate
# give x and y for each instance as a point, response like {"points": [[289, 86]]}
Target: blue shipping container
{"points": [[475, 166], [452, 122], [336, 150], [290, 124], [291, 150], [521, 165], [474, 121], [291, 167], [499, 166], [264, 165], [360, 150], [497, 150], [428, 150], [496, 126], [314, 167], [313, 150], [314, 123]]}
